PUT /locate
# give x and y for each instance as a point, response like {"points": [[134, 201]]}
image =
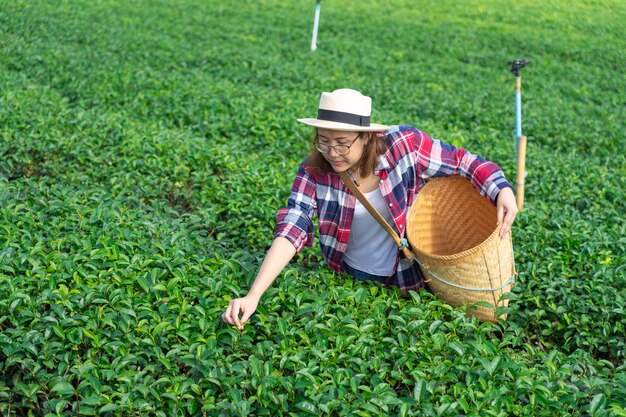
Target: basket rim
{"points": [[458, 255]]}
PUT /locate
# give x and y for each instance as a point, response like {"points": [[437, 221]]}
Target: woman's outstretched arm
{"points": [[278, 256]]}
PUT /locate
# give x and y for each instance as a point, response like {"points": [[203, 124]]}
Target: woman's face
{"points": [[338, 138]]}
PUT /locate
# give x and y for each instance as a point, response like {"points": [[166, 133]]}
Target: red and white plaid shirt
{"points": [[412, 158]]}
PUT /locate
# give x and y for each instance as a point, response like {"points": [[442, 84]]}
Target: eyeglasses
{"points": [[340, 149]]}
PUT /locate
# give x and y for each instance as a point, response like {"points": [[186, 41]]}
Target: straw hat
{"points": [[346, 110]]}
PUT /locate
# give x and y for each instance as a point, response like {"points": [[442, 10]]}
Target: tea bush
{"points": [[146, 146]]}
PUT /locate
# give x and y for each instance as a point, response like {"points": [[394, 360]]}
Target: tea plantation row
{"points": [[146, 146]]}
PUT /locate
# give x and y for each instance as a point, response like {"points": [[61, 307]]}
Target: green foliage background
{"points": [[145, 147]]}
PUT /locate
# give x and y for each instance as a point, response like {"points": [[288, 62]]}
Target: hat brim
{"points": [[346, 127]]}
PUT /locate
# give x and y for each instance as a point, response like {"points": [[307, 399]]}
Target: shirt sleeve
{"points": [[437, 159], [295, 222]]}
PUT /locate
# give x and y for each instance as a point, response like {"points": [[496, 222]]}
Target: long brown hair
{"points": [[374, 147]]}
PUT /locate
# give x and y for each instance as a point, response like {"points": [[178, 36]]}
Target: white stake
{"points": [[316, 22]]}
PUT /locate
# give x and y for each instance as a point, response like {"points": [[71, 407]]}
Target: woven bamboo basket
{"points": [[452, 231]]}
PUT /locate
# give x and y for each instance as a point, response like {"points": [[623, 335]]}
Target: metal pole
{"points": [[316, 22], [515, 67], [520, 141], [518, 112]]}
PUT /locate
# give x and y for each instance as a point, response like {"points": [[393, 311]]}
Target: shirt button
{"points": [[390, 204]]}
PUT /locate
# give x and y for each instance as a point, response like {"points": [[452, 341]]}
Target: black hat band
{"points": [[341, 117]]}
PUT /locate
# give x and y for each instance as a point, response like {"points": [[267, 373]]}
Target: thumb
{"points": [[500, 214], [246, 315], [247, 311]]}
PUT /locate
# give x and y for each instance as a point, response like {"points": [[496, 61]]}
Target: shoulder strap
{"points": [[402, 243]]}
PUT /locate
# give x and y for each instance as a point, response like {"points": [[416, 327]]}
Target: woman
{"points": [[389, 165]]}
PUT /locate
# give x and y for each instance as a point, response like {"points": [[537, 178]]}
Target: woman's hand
{"points": [[246, 306], [277, 258], [507, 210]]}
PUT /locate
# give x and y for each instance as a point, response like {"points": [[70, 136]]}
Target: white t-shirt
{"points": [[370, 248]]}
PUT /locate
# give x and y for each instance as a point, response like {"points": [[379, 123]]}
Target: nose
{"points": [[333, 150]]}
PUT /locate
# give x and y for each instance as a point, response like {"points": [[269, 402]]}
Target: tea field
{"points": [[145, 147]]}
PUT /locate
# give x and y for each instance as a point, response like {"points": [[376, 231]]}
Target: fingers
{"points": [[231, 316], [244, 306], [506, 210], [505, 227], [504, 231], [508, 222], [500, 214], [234, 315], [228, 310], [226, 314]]}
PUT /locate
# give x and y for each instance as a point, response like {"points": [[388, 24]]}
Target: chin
{"points": [[339, 168]]}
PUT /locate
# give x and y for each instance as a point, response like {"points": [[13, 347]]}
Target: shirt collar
{"points": [[383, 164]]}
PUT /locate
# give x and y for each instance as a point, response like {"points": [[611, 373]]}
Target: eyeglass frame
{"points": [[318, 144]]}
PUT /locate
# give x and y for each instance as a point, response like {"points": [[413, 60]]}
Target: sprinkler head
{"points": [[517, 65]]}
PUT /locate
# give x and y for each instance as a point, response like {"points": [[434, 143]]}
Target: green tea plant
{"points": [[145, 148]]}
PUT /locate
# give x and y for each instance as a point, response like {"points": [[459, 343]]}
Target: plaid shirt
{"points": [[412, 158]]}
